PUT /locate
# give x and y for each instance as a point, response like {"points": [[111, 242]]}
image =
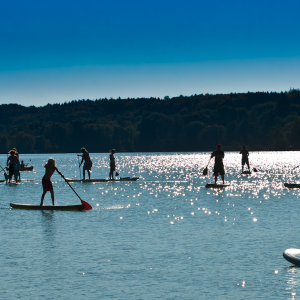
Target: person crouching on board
{"points": [[112, 164], [87, 162], [13, 165], [218, 167], [46, 180], [245, 159]]}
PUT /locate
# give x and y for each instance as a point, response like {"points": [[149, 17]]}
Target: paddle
{"points": [[205, 170], [87, 206], [5, 174], [79, 165]]}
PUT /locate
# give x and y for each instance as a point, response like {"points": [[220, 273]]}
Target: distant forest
{"points": [[261, 120]]}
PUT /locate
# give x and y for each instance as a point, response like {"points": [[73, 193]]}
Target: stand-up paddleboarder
{"points": [[112, 164], [13, 165], [46, 181], [218, 167], [87, 162], [245, 159]]}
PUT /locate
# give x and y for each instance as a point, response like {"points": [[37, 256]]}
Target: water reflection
{"points": [[292, 281], [49, 227], [167, 221]]}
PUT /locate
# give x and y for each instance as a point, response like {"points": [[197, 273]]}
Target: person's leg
{"points": [[89, 173], [216, 178], [52, 196], [83, 173], [248, 165], [43, 196], [223, 178], [11, 172]]}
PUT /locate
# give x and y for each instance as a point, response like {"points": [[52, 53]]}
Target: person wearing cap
{"points": [[218, 167], [112, 164], [87, 162], [245, 159]]}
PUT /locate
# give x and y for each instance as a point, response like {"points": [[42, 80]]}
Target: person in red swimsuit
{"points": [[46, 181]]}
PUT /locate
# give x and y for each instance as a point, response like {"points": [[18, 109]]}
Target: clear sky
{"points": [[55, 51]]}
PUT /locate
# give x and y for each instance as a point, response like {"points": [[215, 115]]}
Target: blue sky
{"points": [[57, 51]]}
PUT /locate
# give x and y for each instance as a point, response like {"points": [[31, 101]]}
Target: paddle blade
{"points": [[254, 169], [205, 171], [117, 174], [87, 206]]}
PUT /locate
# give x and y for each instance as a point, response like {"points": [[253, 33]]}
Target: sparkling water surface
{"points": [[165, 236]]}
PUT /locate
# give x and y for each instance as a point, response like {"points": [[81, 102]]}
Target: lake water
{"points": [[163, 237]]}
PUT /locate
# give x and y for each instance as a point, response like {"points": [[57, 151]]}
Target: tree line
{"points": [[261, 120]]}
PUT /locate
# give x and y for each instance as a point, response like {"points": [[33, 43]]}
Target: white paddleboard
{"points": [[292, 255]]}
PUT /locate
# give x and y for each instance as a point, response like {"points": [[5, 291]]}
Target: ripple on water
{"points": [[165, 235]]}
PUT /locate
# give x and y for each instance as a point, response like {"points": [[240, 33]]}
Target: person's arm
{"points": [[59, 172], [81, 161]]}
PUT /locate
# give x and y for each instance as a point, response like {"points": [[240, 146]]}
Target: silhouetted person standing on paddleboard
{"points": [[112, 164], [218, 167], [87, 162], [13, 165], [245, 159], [46, 181], [17, 155]]}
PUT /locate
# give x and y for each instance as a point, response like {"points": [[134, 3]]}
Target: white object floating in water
{"points": [[292, 255]]}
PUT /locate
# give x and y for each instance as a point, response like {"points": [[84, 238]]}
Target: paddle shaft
{"points": [[79, 165], [87, 206], [68, 184]]}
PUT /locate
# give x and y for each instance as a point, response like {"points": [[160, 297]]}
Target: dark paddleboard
{"points": [[292, 255], [47, 207], [128, 179], [246, 172], [292, 185], [24, 168], [22, 180], [103, 180], [216, 186]]}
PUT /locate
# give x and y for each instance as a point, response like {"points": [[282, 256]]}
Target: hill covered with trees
{"points": [[261, 120]]}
